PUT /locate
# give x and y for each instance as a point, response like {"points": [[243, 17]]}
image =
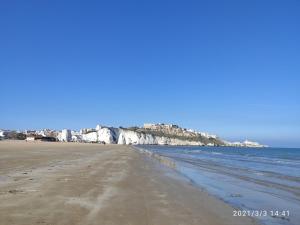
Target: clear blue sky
{"points": [[225, 67]]}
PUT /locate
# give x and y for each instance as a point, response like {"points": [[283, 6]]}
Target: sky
{"points": [[230, 68]]}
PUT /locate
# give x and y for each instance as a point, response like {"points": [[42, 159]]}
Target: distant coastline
{"points": [[149, 134]]}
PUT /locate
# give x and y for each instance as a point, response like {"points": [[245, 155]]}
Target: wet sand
{"points": [[72, 183]]}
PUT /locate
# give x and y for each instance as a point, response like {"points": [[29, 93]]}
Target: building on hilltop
{"points": [[160, 126], [150, 126]]}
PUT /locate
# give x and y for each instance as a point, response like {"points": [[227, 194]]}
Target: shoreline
{"points": [[73, 183], [104, 143]]}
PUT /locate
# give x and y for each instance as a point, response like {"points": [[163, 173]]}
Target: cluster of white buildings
{"points": [[246, 143], [156, 126], [162, 126]]}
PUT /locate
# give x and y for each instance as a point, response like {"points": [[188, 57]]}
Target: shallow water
{"points": [[264, 179]]}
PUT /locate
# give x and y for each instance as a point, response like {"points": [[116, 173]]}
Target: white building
{"points": [[98, 127], [159, 126], [4, 133], [66, 135], [30, 138]]}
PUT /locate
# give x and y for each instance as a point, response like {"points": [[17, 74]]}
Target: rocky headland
{"points": [[149, 134]]}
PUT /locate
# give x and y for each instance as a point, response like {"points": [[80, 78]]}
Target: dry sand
{"points": [[71, 183]]}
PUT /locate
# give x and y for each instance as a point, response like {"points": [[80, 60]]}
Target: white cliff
{"points": [[150, 134], [109, 135], [90, 137], [99, 135], [106, 135], [135, 138]]}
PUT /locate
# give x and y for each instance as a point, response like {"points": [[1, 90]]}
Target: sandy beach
{"points": [[72, 183]]}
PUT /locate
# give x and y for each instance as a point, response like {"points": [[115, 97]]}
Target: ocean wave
{"points": [[217, 153]]}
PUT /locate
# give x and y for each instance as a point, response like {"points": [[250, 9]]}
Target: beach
{"points": [[74, 183]]}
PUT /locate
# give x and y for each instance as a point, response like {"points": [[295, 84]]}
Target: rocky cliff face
{"points": [[125, 136], [150, 134], [111, 135], [156, 135]]}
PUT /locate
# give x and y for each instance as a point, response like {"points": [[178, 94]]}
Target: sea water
{"points": [[260, 182]]}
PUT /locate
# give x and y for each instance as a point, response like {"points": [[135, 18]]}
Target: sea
{"points": [[263, 183]]}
